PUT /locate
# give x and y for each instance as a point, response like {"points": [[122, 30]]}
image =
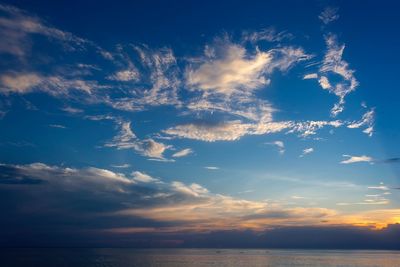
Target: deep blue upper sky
{"points": [[195, 116]]}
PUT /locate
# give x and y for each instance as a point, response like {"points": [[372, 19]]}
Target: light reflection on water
{"points": [[196, 257]]}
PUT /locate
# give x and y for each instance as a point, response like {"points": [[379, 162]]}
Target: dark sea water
{"points": [[195, 257]]}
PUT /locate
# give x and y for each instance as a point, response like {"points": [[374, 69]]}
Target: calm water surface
{"points": [[195, 257]]}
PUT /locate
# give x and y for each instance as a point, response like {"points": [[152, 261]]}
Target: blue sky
{"points": [[196, 117]]}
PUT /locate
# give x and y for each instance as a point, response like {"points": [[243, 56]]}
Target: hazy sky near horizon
{"points": [[153, 117]]}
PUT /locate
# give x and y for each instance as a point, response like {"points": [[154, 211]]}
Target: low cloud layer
{"points": [[138, 197]]}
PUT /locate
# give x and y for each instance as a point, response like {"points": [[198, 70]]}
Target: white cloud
{"points": [[367, 120], [248, 108], [225, 131], [122, 166], [57, 126], [333, 65], [307, 151], [192, 205], [228, 131], [182, 153], [143, 177], [324, 82], [54, 85], [233, 70], [308, 128], [126, 139], [16, 28], [297, 197], [211, 168], [125, 75], [101, 117], [369, 131], [194, 189], [222, 81], [232, 73], [234, 130], [310, 76], [74, 179], [329, 14], [381, 186], [355, 159], [88, 66], [19, 83], [159, 74], [152, 149], [72, 110], [280, 145], [126, 134]]}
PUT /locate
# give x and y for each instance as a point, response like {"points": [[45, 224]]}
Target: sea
{"points": [[118, 257]]}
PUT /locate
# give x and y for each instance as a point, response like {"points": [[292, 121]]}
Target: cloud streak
{"points": [[356, 159], [182, 153]]}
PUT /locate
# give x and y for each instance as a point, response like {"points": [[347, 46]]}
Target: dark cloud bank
{"points": [[63, 211], [70, 235]]}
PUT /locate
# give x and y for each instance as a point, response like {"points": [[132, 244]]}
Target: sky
{"points": [[198, 124]]}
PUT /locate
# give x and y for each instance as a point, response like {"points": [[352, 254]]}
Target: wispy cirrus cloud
{"points": [[333, 66], [372, 199], [125, 75], [72, 110], [224, 81], [329, 14], [17, 27], [224, 131], [366, 121], [234, 130], [269, 34], [154, 70], [333, 63], [309, 128], [59, 86], [126, 139]]}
